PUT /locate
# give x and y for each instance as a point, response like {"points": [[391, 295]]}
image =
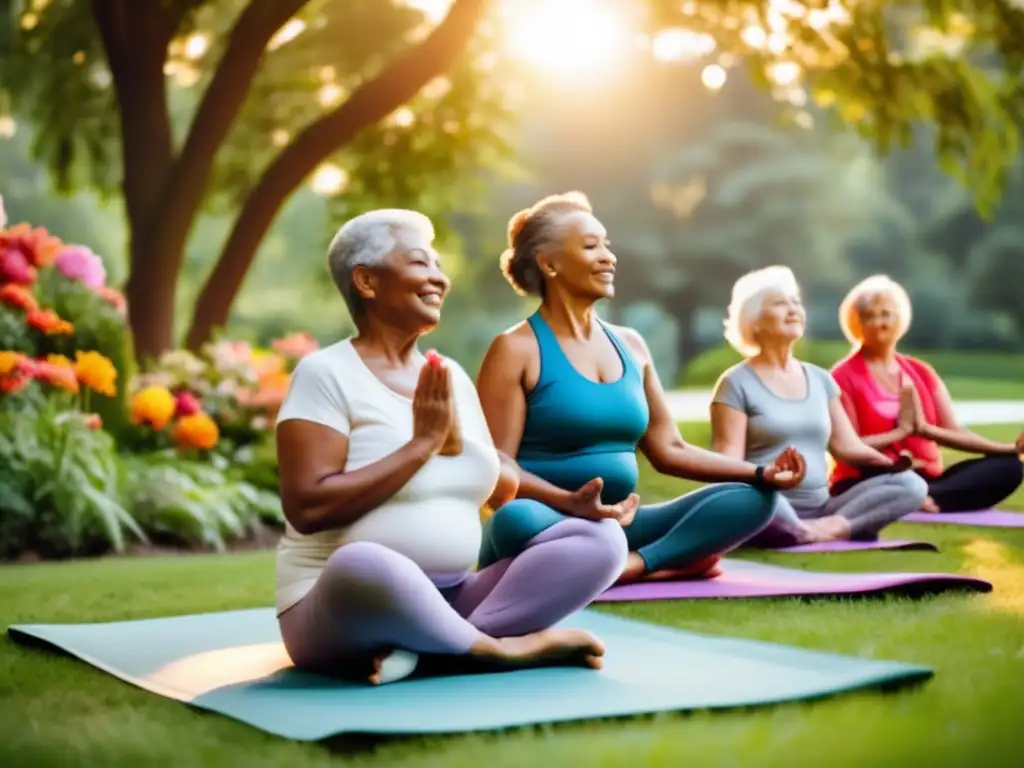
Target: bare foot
{"points": [[635, 569], [391, 665], [706, 568], [929, 505], [833, 528], [569, 647]]}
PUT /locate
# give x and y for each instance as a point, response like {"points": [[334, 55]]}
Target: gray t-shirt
{"points": [[774, 423]]}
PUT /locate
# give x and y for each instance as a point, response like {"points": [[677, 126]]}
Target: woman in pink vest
{"points": [[898, 404]]}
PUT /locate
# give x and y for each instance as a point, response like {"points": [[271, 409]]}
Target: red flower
{"points": [[186, 404], [15, 268], [93, 421], [15, 383], [37, 245]]}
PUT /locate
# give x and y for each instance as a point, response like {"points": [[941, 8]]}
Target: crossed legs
{"points": [[370, 600]]}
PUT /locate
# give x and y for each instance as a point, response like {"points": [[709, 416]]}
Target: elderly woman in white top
{"points": [[772, 400], [383, 529]]}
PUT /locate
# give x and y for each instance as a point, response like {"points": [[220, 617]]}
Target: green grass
{"points": [[55, 711]]}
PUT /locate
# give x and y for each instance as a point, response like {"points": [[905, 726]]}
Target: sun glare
{"points": [[568, 37]]}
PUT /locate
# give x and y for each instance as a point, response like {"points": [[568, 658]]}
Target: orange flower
{"points": [[96, 372], [196, 431], [37, 245], [93, 421], [56, 375], [18, 296], [47, 321], [113, 297], [10, 362], [153, 406]]}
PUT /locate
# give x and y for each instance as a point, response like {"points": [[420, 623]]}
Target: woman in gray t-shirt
{"points": [[771, 401]]}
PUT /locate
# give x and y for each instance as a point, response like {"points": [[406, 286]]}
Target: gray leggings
{"points": [[868, 506]]}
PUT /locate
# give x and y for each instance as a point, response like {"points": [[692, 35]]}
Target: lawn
{"points": [[56, 711]]}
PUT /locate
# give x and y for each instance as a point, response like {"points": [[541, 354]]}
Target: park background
{"points": [[194, 162]]}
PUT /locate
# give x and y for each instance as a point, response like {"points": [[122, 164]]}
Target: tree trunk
{"points": [[367, 105], [135, 41]]}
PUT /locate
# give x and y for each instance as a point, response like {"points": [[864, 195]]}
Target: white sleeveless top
{"points": [[435, 518]]}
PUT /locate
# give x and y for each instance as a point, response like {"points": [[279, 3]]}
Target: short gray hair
{"points": [[748, 295], [365, 240], [862, 294]]}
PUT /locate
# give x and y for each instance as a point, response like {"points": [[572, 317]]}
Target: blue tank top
{"points": [[578, 429]]}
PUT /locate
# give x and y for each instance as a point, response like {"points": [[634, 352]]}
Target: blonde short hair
{"points": [[748, 295], [862, 294]]}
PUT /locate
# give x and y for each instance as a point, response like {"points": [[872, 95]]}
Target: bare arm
{"points": [[663, 444], [501, 388], [317, 494], [728, 431], [950, 434], [846, 446]]}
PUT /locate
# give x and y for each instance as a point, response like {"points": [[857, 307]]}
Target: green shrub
{"points": [[190, 504], [59, 494]]}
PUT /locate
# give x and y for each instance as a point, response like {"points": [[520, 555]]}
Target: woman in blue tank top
{"points": [[572, 398]]}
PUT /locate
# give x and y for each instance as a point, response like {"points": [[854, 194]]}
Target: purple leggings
{"points": [[370, 598]]}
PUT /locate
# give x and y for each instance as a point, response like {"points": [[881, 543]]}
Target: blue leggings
{"points": [[671, 535]]}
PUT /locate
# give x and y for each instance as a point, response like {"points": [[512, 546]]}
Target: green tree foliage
{"points": [[182, 106]]}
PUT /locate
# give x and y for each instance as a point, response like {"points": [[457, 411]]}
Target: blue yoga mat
{"points": [[233, 663]]}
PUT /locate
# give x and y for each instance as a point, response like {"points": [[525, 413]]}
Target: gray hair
{"points": [[366, 240], [865, 292], [748, 295]]}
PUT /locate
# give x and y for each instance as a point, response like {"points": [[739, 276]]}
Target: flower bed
{"points": [[96, 456]]}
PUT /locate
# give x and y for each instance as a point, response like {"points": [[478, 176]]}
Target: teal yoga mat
{"points": [[233, 663]]}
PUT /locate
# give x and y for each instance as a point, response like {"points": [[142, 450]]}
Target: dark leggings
{"points": [[671, 535], [967, 486], [976, 483]]}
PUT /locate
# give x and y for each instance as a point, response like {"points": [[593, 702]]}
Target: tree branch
{"points": [[370, 103], [182, 193]]}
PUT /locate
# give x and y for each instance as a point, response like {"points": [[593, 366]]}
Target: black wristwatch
{"points": [[759, 476]]}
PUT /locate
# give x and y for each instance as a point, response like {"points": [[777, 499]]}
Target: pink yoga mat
{"points": [[742, 578], [986, 518], [859, 546]]}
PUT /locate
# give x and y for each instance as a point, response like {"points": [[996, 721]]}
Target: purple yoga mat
{"points": [[986, 518], [858, 546], [742, 578]]}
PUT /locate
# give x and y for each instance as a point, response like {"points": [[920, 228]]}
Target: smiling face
{"points": [[408, 287], [879, 321], [583, 265], [782, 319]]}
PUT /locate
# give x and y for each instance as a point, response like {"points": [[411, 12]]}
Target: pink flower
{"points": [[79, 263], [186, 404], [15, 268], [296, 345]]}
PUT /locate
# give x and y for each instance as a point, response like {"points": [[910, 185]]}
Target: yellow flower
{"points": [[9, 362], [60, 360], [153, 406], [196, 431], [96, 372]]}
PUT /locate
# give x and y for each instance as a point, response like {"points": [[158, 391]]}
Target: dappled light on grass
{"points": [[993, 562]]}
